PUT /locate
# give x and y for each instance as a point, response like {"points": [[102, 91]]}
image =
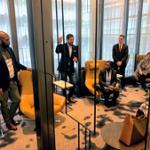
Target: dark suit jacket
{"points": [[120, 56], [102, 78], [4, 73], [66, 63]]}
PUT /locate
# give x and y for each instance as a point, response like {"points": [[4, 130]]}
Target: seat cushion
{"points": [[25, 79], [27, 106]]}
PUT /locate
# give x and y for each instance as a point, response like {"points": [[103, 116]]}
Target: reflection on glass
{"points": [[145, 28], [22, 32]]}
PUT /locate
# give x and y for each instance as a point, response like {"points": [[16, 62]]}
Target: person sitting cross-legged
{"points": [[143, 69], [109, 85]]}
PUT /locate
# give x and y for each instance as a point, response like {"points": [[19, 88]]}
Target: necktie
{"points": [[120, 48]]}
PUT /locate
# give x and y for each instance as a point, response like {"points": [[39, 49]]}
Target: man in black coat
{"points": [[8, 81], [69, 55], [120, 57], [108, 84]]}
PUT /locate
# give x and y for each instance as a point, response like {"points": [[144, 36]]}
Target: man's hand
{"points": [[1, 91], [75, 59], [60, 40], [29, 69], [111, 88], [119, 63]]}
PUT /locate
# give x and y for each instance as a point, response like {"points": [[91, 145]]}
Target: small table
{"points": [[62, 84], [111, 134]]}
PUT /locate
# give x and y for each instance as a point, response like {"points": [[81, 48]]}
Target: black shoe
{"points": [[71, 100], [11, 126], [15, 122]]}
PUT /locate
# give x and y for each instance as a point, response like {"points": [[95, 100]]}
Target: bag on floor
{"points": [[133, 130]]}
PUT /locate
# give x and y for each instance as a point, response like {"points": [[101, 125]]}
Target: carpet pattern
{"points": [[66, 129], [83, 111]]}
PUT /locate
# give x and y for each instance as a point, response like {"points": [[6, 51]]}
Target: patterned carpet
{"points": [[66, 128], [83, 111]]}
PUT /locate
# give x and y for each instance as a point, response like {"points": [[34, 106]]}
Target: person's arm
{"points": [[101, 79], [18, 65], [114, 77], [75, 54], [59, 47], [139, 67], [124, 59], [114, 54]]}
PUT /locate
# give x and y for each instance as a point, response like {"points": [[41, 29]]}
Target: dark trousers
{"points": [[13, 94], [107, 94], [64, 77], [121, 70]]}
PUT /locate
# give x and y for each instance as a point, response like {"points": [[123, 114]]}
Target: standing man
{"points": [[120, 57], [69, 55], [8, 81]]}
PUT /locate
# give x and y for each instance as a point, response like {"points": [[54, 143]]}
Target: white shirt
{"points": [[9, 63], [108, 77], [70, 50], [10, 67]]}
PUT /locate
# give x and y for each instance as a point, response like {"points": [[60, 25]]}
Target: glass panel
{"points": [[69, 23], [145, 28], [131, 37], [113, 19], [148, 134], [22, 32], [86, 51], [4, 15]]}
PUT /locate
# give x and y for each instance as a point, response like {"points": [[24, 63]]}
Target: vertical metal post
{"points": [[125, 20], [89, 140], [85, 136], [63, 23], [42, 57], [79, 38], [95, 68], [12, 17], [138, 29], [57, 29], [100, 28], [148, 123], [78, 136]]}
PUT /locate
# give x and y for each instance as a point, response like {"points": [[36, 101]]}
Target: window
{"points": [[22, 32], [131, 35], [4, 15], [69, 22], [112, 25], [86, 52], [145, 28]]}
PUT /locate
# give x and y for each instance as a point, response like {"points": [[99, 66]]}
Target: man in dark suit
{"points": [[120, 57], [69, 55], [108, 84], [9, 68]]}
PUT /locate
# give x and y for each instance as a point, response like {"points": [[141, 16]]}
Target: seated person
{"points": [[108, 84], [142, 111], [143, 69]]}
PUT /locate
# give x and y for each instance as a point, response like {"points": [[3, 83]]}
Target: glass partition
{"points": [[22, 32], [145, 28]]}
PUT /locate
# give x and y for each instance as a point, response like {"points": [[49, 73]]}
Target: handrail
{"points": [[85, 133]]}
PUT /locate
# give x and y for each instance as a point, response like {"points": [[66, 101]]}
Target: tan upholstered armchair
{"points": [[89, 77], [27, 98]]}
